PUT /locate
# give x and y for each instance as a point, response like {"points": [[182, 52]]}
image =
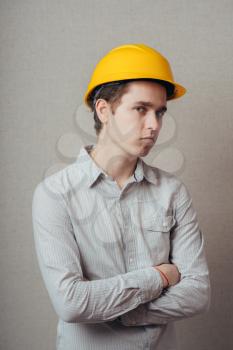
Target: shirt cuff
{"points": [[151, 284], [141, 317]]}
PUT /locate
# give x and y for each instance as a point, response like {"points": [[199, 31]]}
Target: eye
{"points": [[160, 114], [141, 109]]}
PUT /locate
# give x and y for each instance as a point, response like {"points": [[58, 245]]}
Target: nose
{"points": [[152, 122]]}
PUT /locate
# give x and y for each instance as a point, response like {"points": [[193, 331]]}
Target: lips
{"points": [[148, 139]]}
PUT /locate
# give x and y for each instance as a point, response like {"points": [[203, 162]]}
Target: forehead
{"points": [[146, 91]]}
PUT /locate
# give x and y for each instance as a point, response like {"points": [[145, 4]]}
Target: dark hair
{"points": [[112, 93]]}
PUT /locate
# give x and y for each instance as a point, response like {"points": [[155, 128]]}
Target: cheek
{"points": [[126, 124]]}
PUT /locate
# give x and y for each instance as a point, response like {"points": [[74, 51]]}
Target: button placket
{"points": [[127, 240]]}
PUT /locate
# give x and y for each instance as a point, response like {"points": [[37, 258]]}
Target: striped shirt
{"points": [[97, 245]]}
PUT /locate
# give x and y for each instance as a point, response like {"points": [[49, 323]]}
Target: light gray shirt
{"points": [[97, 244]]}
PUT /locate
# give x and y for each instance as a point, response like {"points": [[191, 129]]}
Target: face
{"points": [[136, 123]]}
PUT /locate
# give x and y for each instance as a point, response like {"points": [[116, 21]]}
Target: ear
{"points": [[102, 110]]}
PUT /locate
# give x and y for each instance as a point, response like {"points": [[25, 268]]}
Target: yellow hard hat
{"points": [[133, 61]]}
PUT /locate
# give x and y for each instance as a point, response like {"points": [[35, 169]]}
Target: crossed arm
{"points": [[191, 296], [74, 298], [137, 296]]}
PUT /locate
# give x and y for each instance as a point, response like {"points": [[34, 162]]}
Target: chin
{"points": [[144, 152], [138, 151]]}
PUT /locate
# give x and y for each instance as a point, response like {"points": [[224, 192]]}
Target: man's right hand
{"points": [[172, 273]]}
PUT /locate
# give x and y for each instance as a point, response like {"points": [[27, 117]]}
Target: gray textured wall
{"points": [[48, 50]]}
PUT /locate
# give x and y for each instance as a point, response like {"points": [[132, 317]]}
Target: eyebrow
{"points": [[149, 104]]}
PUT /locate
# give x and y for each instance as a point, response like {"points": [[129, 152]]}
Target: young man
{"points": [[118, 242]]}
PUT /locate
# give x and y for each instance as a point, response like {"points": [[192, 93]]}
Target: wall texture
{"points": [[48, 51]]}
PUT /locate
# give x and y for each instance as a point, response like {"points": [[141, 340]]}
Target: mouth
{"points": [[148, 139]]}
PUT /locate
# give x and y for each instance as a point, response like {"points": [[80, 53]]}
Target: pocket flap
{"points": [[163, 224]]}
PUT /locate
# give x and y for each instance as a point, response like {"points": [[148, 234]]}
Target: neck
{"points": [[114, 161]]}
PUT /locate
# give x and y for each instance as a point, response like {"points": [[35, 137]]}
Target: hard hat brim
{"points": [[178, 91]]}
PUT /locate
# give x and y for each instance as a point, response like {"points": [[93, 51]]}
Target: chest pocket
{"points": [[159, 223], [156, 232]]}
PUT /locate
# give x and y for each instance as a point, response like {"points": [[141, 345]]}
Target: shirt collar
{"points": [[93, 171]]}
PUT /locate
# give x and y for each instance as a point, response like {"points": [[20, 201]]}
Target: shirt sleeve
{"points": [[191, 296], [74, 298]]}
